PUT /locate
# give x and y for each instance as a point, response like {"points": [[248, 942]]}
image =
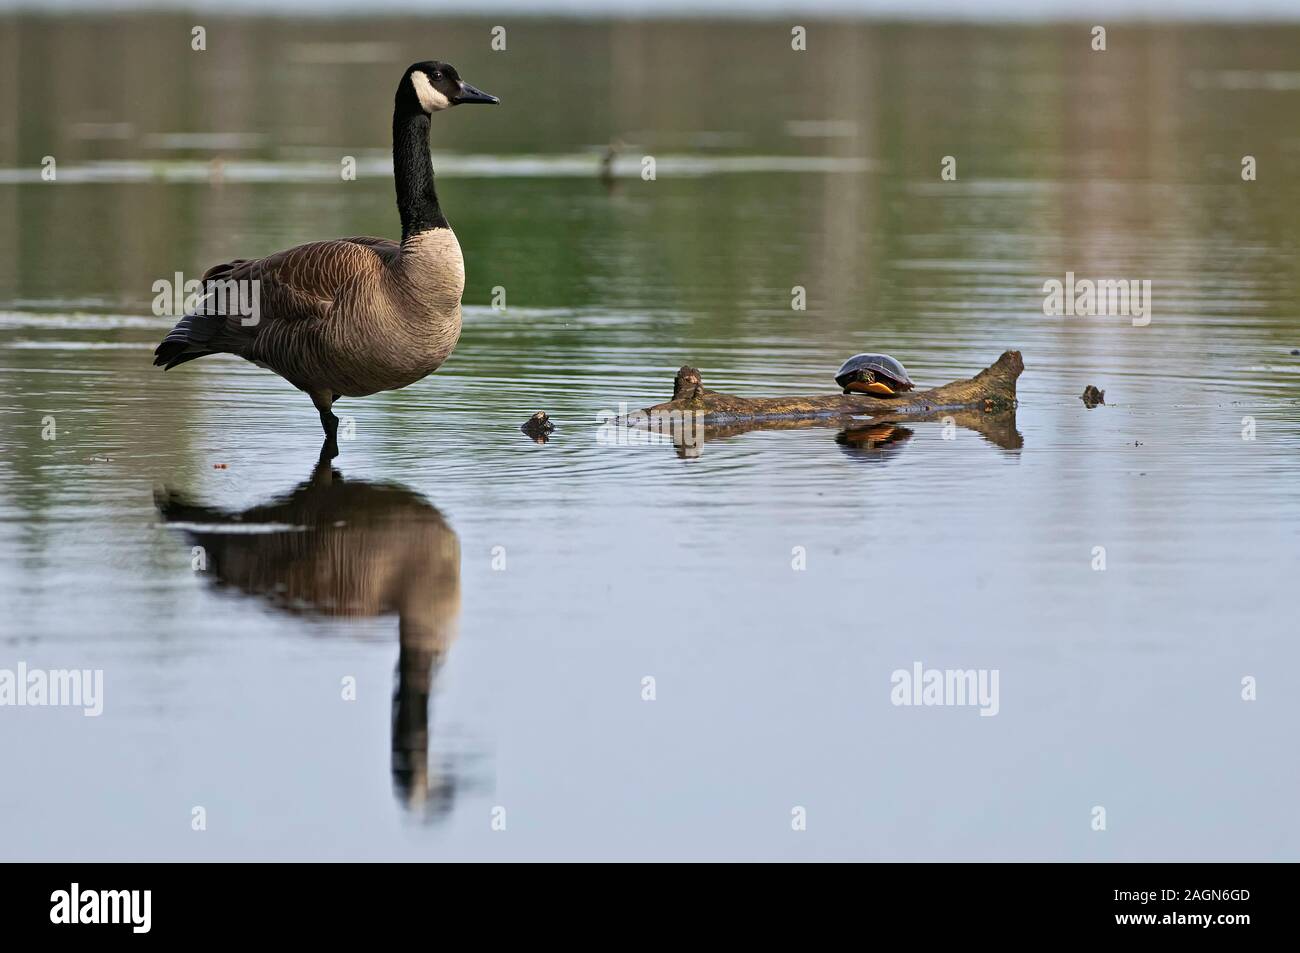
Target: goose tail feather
{"points": [[189, 340]]}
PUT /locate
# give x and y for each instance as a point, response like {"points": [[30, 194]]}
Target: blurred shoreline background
{"points": [[123, 100], [1165, 11]]}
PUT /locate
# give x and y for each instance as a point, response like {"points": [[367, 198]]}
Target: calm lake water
{"points": [[498, 603]]}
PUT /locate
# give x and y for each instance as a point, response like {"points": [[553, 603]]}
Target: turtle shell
{"points": [[879, 366]]}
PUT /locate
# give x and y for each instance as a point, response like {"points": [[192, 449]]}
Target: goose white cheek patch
{"points": [[430, 98]]}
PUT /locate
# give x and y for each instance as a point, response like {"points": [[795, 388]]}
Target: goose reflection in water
{"points": [[335, 547]]}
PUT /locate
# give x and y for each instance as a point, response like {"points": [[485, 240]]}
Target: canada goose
{"points": [[335, 547], [354, 316]]}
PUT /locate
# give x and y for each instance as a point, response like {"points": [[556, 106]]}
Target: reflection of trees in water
{"points": [[842, 234]]}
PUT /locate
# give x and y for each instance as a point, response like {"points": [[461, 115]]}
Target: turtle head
{"points": [[866, 382]]}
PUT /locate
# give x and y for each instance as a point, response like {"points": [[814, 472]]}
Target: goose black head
{"points": [[432, 86]]}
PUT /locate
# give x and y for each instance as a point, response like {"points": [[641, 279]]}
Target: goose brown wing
{"points": [[387, 249], [295, 284]]}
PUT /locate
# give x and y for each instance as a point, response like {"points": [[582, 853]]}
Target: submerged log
{"points": [[992, 390], [985, 403]]}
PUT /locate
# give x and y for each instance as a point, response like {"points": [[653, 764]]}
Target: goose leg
{"points": [[329, 423]]}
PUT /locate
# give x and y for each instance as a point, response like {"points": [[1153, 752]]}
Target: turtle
{"points": [[877, 374], [538, 426]]}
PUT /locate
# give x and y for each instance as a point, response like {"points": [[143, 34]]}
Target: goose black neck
{"points": [[417, 202]]}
